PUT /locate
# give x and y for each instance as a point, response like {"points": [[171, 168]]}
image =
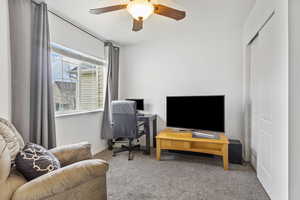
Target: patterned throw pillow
{"points": [[34, 161]]}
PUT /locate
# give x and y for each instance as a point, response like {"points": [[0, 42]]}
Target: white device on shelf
{"points": [[203, 135]]}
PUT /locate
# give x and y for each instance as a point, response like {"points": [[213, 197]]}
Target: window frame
{"points": [[103, 65]]}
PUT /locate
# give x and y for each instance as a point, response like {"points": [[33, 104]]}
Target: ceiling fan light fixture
{"points": [[140, 9]]}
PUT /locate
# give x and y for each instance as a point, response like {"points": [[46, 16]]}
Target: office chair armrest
{"points": [[61, 180]]}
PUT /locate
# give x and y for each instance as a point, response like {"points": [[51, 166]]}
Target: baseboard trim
{"points": [[99, 152]]}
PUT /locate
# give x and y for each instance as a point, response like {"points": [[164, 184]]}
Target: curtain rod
{"points": [[76, 26], [71, 23]]}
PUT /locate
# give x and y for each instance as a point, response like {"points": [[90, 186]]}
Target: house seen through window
{"points": [[78, 85]]}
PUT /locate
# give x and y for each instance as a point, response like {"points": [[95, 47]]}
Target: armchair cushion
{"points": [[61, 180], [4, 161], [12, 137], [12, 183], [34, 161], [72, 153]]}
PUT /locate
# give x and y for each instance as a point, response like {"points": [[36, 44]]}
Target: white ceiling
{"points": [[116, 26]]}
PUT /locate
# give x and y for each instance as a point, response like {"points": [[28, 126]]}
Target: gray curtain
{"points": [[32, 97], [111, 88], [20, 36]]}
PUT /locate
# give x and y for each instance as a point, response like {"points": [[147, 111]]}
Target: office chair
{"points": [[126, 126]]}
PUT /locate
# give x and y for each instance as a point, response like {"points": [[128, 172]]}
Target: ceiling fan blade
{"points": [[137, 25], [169, 12], [98, 11]]}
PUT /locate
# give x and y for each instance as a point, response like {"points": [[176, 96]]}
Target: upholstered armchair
{"points": [[80, 178]]}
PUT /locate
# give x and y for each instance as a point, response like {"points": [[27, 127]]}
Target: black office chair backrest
{"points": [[124, 119]]}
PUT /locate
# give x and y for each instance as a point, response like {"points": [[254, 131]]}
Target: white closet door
{"points": [[269, 94], [254, 96], [265, 106]]}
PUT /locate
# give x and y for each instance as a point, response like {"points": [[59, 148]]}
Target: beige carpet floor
{"points": [[179, 177]]}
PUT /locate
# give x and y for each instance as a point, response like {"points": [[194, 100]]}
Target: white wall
{"points": [[78, 127], [294, 99], [69, 36], [279, 155], [196, 61], [81, 127], [5, 85]]}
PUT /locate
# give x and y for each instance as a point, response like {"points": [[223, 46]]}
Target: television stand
{"points": [[170, 139]]}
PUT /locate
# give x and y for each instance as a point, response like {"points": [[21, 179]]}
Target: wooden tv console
{"points": [[169, 139]]}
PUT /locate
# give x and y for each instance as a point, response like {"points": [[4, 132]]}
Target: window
{"points": [[78, 82]]}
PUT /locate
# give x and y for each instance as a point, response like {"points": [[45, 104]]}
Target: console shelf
{"points": [[183, 141]]}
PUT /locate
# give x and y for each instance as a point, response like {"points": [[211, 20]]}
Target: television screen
{"points": [[196, 112], [139, 103]]}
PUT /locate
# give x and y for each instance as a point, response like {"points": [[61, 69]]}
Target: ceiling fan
{"points": [[140, 10]]}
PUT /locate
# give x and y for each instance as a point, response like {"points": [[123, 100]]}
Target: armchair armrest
{"points": [[61, 180], [72, 153]]}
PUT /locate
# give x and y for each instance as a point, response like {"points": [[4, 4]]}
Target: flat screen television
{"points": [[196, 112]]}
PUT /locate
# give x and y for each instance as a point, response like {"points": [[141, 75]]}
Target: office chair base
{"points": [[130, 149], [110, 144]]}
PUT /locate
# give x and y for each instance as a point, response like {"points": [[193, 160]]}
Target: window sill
{"points": [[78, 113]]}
